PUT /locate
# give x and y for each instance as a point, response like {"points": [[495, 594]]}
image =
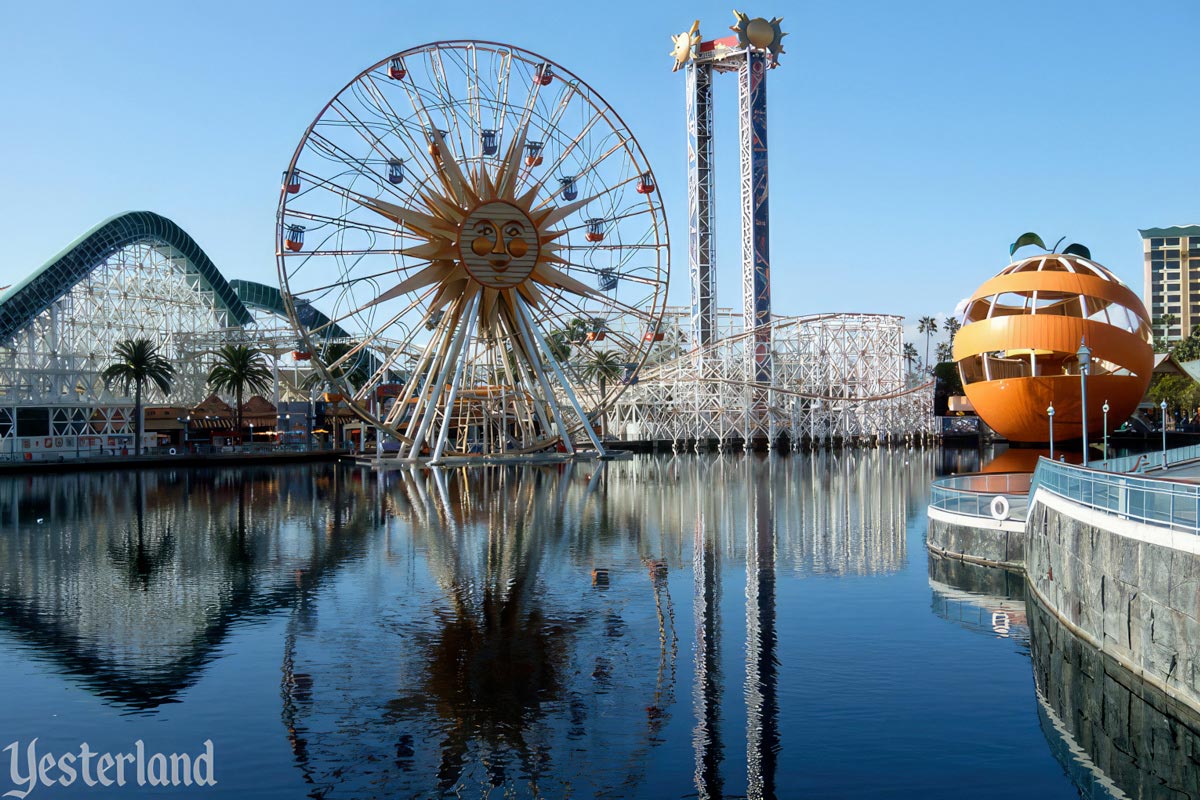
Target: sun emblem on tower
{"points": [[481, 238], [760, 33], [685, 43]]}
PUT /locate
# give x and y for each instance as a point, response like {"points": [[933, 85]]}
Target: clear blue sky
{"points": [[911, 142]]}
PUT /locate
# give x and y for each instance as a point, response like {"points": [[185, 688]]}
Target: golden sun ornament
{"points": [[685, 43], [760, 34], [483, 239]]}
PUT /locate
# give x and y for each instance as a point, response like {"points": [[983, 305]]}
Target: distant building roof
{"points": [[1174, 230]]}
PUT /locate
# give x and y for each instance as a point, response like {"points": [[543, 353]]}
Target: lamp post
{"points": [[251, 436], [1085, 360], [1163, 406], [1050, 414], [1104, 408]]}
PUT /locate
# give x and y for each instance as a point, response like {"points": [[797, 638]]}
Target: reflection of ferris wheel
{"points": [[486, 241]]}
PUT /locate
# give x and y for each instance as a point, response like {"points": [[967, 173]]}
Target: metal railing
{"points": [[1151, 460], [1157, 501], [975, 495]]}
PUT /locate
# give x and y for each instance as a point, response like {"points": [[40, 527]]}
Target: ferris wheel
{"points": [[472, 248]]}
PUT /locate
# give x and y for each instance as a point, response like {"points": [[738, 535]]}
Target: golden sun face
{"points": [[760, 34], [685, 43], [498, 245], [479, 238]]}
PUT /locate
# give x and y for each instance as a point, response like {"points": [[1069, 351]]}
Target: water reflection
{"points": [[521, 628], [984, 599], [1115, 736], [131, 581]]}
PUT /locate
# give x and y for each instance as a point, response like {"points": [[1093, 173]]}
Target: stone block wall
{"points": [[1133, 590], [1107, 728], [976, 539]]}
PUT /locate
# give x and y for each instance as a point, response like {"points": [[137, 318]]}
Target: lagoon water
{"points": [[712, 626]]}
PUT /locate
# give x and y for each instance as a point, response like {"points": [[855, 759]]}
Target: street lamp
{"points": [[1163, 406], [1050, 414], [1104, 408], [1085, 359]]}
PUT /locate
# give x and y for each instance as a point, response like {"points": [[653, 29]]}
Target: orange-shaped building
{"points": [[1016, 350]]}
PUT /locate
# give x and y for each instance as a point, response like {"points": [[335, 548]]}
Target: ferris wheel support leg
{"points": [[523, 400], [423, 374], [587, 426], [528, 332], [452, 357], [472, 320]]}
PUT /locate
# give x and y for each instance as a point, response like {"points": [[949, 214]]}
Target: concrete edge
{"points": [[1118, 525], [983, 523]]}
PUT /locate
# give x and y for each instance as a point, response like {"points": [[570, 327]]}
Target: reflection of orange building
{"points": [[1016, 351]]}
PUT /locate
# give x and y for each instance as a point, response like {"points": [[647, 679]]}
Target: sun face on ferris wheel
{"points": [[478, 229]]}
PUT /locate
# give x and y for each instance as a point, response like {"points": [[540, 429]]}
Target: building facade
{"points": [[1172, 279]]}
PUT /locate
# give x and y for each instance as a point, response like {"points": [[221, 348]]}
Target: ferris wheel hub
{"points": [[498, 244]]}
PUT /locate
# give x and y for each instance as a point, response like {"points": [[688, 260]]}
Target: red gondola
{"points": [[645, 183], [396, 70], [533, 154], [595, 230], [543, 75], [295, 238], [596, 336], [291, 182], [653, 336], [301, 355]]}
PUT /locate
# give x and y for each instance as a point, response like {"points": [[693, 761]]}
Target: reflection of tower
{"points": [[762, 705], [706, 740], [756, 48]]}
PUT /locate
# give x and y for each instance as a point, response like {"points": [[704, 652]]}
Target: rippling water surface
{"points": [[705, 626]]}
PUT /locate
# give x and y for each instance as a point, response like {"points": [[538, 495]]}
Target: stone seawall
{"points": [[1108, 729], [977, 539], [1128, 589]]}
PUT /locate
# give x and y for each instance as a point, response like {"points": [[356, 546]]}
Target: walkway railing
{"points": [[975, 495], [1158, 501], [1151, 460]]}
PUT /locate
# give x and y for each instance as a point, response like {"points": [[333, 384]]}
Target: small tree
{"points": [[603, 366], [952, 326], [927, 326], [911, 356], [138, 362], [239, 368]]}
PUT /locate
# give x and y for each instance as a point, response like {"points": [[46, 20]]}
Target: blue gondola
{"points": [[607, 280], [395, 170], [569, 190], [490, 143]]}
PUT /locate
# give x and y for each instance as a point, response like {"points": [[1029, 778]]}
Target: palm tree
{"points": [[927, 326], [943, 352], [1167, 320], [910, 355], [952, 327], [603, 366], [239, 368], [356, 369], [138, 362]]}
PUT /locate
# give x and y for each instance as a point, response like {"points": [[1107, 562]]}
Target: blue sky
{"points": [[910, 142]]}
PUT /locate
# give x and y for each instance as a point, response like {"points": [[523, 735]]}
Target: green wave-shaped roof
{"points": [[22, 302]]}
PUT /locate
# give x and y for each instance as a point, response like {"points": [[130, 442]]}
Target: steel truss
{"points": [[147, 290], [835, 378]]}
